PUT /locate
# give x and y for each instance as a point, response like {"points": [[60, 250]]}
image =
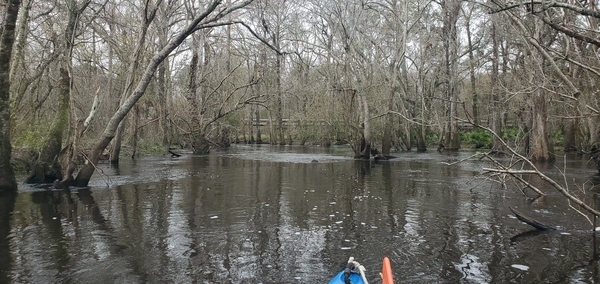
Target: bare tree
{"points": [[47, 168], [211, 15], [451, 10], [148, 15]]}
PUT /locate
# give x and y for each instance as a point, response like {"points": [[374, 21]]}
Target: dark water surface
{"points": [[269, 215]]}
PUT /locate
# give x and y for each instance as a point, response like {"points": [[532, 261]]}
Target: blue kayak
{"points": [[339, 278]]}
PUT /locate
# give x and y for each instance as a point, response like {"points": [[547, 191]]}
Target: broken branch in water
{"points": [[532, 222], [550, 181]]}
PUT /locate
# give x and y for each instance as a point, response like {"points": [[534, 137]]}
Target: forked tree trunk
{"points": [[7, 175]]}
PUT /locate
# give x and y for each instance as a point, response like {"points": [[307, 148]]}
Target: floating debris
{"points": [[520, 267]]}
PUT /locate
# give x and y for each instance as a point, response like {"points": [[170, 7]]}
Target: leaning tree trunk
{"points": [[47, 168], [88, 168], [148, 17], [7, 175]]}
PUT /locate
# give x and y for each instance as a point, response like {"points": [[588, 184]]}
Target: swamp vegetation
{"points": [[387, 96], [84, 81]]}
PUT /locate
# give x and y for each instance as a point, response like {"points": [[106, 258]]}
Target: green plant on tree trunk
{"points": [[47, 168], [7, 175]]}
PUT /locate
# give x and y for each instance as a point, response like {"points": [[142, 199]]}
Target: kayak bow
{"points": [[386, 272], [354, 273], [339, 279]]}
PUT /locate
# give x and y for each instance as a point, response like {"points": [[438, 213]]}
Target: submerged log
{"points": [[532, 222], [173, 154]]}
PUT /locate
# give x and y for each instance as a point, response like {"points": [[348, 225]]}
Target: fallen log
{"points": [[532, 222], [173, 154]]}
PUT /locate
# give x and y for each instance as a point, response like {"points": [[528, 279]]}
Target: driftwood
{"points": [[532, 222], [173, 154]]}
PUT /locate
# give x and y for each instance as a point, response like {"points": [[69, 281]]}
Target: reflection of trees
{"points": [[275, 221], [57, 235], [7, 205]]}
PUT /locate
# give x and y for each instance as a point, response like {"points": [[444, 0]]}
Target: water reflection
{"points": [[269, 215], [7, 205]]}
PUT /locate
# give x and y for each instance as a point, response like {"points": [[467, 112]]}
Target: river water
{"points": [[267, 214]]}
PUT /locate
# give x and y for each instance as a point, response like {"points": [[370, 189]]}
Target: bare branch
{"points": [[545, 5]]}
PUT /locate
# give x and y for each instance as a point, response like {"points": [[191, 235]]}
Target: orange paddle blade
{"points": [[386, 272]]}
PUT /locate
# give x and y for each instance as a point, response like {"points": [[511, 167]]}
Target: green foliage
{"points": [[477, 138], [511, 134], [31, 138], [149, 149], [19, 166], [432, 138], [558, 136]]}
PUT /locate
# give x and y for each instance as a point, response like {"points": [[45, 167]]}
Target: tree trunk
{"points": [[115, 152], [495, 118], [540, 151], [87, 170], [366, 151], [148, 16], [135, 134], [364, 148], [279, 101], [163, 120], [386, 143], [570, 131], [472, 76], [451, 8], [420, 137], [258, 133], [21, 40], [8, 200], [421, 130], [7, 175], [47, 169], [198, 142], [163, 77]]}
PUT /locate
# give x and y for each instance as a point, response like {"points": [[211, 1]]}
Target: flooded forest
{"points": [[106, 104]]}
